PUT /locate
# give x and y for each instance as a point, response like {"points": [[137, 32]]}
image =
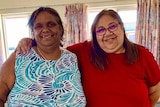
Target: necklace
{"points": [[50, 65], [43, 55]]}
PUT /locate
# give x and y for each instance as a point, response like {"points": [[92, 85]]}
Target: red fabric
{"points": [[121, 85]]}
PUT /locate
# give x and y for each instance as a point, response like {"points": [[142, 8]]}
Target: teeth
{"points": [[108, 39], [46, 36], [111, 38]]}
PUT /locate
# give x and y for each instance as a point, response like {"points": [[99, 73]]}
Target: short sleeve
{"points": [[151, 67]]}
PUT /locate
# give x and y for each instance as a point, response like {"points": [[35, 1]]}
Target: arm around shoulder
{"points": [[7, 78], [24, 45]]}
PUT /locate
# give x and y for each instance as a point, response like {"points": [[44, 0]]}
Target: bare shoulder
{"points": [[7, 75]]}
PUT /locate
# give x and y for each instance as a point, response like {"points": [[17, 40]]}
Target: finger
{"points": [[27, 44], [23, 47], [18, 50]]}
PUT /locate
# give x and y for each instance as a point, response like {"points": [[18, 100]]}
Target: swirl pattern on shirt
{"points": [[46, 83]]}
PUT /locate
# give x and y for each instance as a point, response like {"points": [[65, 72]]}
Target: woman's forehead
{"points": [[45, 16], [106, 20]]}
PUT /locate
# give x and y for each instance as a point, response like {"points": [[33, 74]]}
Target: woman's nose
{"points": [[108, 32], [45, 29]]}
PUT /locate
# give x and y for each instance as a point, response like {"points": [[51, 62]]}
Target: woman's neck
{"points": [[49, 54]]}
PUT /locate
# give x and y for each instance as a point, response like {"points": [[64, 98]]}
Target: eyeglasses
{"points": [[112, 28]]}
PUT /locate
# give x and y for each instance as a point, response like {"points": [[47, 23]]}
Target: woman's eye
{"points": [[37, 27], [101, 30], [52, 24], [112, 27]]}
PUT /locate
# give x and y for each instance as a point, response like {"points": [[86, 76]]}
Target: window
{"points": [[128, 17], [16, 28], [2, 54], [91, 16]]}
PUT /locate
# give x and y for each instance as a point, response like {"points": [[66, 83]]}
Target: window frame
{"points": [[4, 30], [116, 8]]}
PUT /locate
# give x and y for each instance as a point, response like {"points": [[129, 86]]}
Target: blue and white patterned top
{"points": [[47, 83]]}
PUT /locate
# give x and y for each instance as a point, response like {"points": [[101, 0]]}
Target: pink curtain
{"points": [[76, 23], [148, 26]]}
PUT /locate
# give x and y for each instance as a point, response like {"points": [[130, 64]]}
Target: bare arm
{"points": [[154, 93], [24, 45], [7, 78]]}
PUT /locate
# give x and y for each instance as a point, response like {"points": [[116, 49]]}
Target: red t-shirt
{"points": [[121, 85]]}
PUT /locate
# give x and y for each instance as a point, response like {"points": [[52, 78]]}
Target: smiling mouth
{"points": [[47, 36], [110, 38]]}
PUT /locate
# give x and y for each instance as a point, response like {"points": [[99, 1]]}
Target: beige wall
{"points": [[14, 6], [6, 4]]}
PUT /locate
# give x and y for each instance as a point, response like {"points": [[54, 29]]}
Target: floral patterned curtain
{"points": [[148, 26], [76, 23]]}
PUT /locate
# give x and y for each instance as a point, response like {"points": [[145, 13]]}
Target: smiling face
{"points": [[46, 30], [110, 34]]}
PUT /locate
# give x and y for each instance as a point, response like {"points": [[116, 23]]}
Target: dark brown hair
{"points": [[98, 56], [52, 12]]}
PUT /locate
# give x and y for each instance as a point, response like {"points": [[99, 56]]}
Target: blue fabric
{"points": [[46, 83]]}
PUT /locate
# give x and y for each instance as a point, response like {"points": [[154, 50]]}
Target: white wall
{"points": [[13, 6], [6, 4]]}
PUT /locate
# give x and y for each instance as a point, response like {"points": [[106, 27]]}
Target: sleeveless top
{"points": [[46, 83]]}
